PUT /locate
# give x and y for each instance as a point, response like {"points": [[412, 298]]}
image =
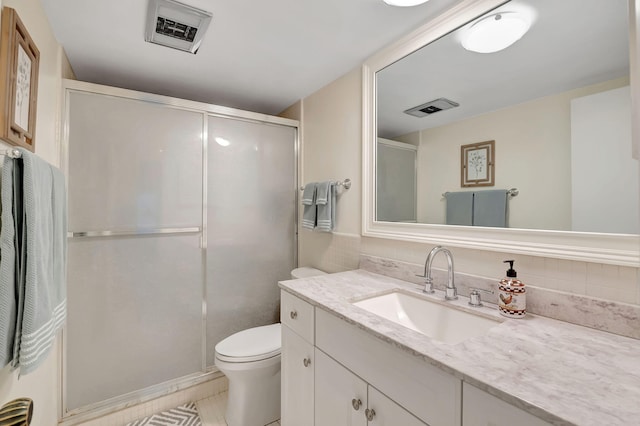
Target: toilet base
{"points": [[254, 395]]}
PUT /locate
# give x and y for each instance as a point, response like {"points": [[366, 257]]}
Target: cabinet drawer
{"points": [[429, 393], [297, 315]]}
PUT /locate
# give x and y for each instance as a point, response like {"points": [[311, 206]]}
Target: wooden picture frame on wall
{"points": [[477, 164], [19, 63]]}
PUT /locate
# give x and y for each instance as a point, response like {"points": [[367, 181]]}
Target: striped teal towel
{"points": [[40, 225], [326, 202], [8, 259], [309, 203]]}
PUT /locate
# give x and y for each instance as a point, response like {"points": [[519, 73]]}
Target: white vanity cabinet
{"points": [[482, 409], [327, 363], [385, 412], [336, 374], [297, 366], [427, 392], [344, 399], [340, 396]]}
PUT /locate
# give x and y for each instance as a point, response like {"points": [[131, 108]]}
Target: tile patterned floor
{"points": [[212, 410]]}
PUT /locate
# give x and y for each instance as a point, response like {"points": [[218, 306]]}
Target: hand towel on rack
{"points": [[309, 203], [459, 210], [326, 202], [41, 235], [8, 259], [490, 208]]}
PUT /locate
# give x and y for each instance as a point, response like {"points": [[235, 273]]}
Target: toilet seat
{"points": [[253, 344]]}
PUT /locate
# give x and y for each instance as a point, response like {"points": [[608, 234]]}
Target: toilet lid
{"points": [[252, 344]]}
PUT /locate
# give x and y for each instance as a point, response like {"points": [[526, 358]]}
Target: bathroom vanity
{"points": [[345, 365]]}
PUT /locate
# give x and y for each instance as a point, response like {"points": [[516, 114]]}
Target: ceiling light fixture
{"points": [[404, 3], [495, 32]]}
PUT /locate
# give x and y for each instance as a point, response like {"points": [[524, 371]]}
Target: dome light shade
{"points": [[495, 32], [404, 3]]}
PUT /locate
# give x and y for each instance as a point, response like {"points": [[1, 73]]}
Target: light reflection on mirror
{"points": [[556, 103]]}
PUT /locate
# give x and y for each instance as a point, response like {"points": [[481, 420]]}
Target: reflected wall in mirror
{"points": [[556, 102]]}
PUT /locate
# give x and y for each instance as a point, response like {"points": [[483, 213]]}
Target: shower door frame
{"points": [[91, 411]]}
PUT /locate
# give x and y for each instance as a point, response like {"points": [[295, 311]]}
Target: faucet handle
{"points": [[474, 296], [428, 284]]}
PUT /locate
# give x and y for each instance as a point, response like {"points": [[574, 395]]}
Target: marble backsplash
{"points": [[613, 317]]}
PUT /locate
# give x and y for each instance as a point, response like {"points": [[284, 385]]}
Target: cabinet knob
{"points": [[293, 314], [356, 403], [306, 362], [370, 414]]}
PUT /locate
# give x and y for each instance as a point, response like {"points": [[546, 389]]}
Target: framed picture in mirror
{"points": [[478, 164], [19, 62]]}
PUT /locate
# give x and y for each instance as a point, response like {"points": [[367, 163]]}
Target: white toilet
{"points": [[251, 361]]}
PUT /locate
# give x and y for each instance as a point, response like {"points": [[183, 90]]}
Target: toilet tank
{"points": [[306, 272]]}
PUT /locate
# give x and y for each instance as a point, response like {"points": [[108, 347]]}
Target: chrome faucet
{"points": [[451, 293]]}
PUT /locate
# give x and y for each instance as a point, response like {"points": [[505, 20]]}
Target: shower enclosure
{"points": [[182, 219]]}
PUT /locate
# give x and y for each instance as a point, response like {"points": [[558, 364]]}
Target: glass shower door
{"points": [[250, 224], [135, 271]]}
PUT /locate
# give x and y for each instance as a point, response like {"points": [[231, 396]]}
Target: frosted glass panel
{"points": [[133, 165], [251, 224], [396, 169], [134, 314]]}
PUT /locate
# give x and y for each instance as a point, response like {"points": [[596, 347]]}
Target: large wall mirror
{"points": [[524, 149]]}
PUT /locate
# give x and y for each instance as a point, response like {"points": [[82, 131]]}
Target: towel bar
{"points": [[12, 153], [513, 192], [346, 183]]}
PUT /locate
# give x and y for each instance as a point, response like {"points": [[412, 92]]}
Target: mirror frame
{"points": [[616, 249]]}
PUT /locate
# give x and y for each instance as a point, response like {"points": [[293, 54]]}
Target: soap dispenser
{"points": [[512, 298]]}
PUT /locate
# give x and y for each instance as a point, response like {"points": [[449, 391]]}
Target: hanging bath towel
{"points": [[40, 226], [309, 206], [11, 183], [459, 210], [490, 208], [326, 202]]}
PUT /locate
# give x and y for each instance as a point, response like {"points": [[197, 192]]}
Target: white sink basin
{"points": [[436, 320]]}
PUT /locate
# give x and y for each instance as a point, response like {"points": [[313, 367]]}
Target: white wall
{"points": [[603, 173], [42, 385], [332, 118], [334, 154], [532, 154]]}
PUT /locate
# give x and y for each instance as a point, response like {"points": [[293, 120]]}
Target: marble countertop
{"points": [[563, 373]]}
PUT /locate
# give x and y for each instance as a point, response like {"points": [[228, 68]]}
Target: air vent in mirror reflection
{"points": [[432, 107]]}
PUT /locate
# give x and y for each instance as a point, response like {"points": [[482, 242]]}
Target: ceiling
{"points": [[571, 44], [257, 55]]}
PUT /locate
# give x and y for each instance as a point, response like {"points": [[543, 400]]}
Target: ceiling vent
{"points": [[432, 107], [176, 25]]}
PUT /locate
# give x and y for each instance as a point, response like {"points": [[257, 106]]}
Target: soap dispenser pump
{"points": [[512, 298]]}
